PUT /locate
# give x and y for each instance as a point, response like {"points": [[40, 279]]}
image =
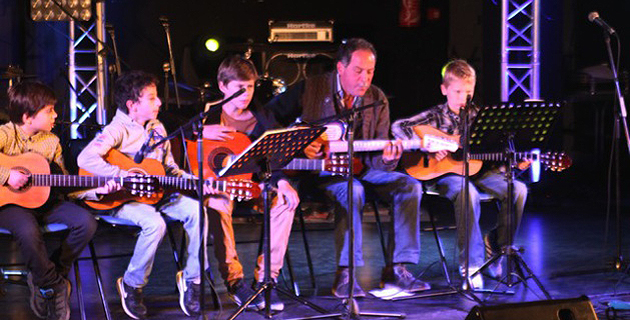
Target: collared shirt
{"points": [[440, 117], [14, 141], [341, 106]]}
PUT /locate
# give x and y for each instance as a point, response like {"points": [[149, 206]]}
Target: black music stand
{"points": [[505, 126], [272, 151]]}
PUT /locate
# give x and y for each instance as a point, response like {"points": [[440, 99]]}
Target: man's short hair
{"points": [[458, 69], [129, 86], [349, 46], [28, 98], [236, 67]]}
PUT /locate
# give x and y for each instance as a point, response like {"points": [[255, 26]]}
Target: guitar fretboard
{"points": [[58, 180], [499, 156], [371, 145], [189, 184], [305, 164]]}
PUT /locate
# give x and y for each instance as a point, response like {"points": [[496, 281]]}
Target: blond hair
{"points": [[458, 69]]}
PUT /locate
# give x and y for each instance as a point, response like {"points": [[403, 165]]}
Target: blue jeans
{"points": [[401, 190], [153, 226], [491, 182]]}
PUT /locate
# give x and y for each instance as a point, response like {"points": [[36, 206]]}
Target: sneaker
{"points": [[240, 293], [57, 300], [37, 300], [341, 286], [491, 249], [276, 303], [131, 300], [399, 277], [476, 282], [188, 295]]}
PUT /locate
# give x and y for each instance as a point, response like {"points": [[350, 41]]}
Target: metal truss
{"points": [[86, 72], [520, 54]]}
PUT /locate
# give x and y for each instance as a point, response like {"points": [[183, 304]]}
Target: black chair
{"points": [[247, 211], [123, 225]]}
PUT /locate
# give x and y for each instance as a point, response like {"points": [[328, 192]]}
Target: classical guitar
{"points": [[237, 189], [424, 166], [218, 153], [37, 191]]}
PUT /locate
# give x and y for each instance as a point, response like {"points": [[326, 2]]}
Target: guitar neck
{"points": [[371, 145], [58, 180], [500, 156], [189, 184], [305, 164]]}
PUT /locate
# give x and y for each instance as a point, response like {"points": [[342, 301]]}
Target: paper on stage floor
{"points": [[389, 293]]}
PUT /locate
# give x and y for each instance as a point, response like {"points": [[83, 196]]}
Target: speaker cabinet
{"points": [[293, 66], [566, 309]]}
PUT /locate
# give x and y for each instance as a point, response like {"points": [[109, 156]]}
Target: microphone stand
{"points": [[166, 67], [352, 308], [464, 114], [110, 29], [467, 292], [114, 70], [196, 123], [620, 115], [622, 112], [165, 24]]}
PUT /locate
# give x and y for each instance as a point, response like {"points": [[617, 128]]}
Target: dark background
{"points": [[409, 59]]}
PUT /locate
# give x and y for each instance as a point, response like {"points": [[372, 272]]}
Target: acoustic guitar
{"points": [[37, 190], [424, 166], [152, 169], [217, 155]]}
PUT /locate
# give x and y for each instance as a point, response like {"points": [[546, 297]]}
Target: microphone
{"points": [[109, 27], [594, 17], [164, 21], [140, 155], [236, 94], [143, 150]]}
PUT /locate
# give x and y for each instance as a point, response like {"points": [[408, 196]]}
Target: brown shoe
{"points": [[398, 276], [341, 286]]}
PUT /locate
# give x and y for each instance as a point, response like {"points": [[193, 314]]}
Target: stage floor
{"points": [[562, 235]]}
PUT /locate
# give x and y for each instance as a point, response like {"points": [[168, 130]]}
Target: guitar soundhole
{"points": [[217, 157]]}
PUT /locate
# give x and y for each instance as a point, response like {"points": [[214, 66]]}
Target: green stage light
{"points": [[212, 45]]}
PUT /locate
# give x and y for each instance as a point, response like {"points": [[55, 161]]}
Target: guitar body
{"points": [[217, 154], [113, 200], [424, 166], [28, 196]]}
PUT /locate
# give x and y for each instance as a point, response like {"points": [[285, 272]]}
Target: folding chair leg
{"points": [[438, 242], [381, 234], [210, 279], [176, 256], [99, 281], [79, 287], [296, 287], [3, 290], [307, 250]]}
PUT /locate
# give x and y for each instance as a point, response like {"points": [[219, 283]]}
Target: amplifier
{"points": [[300, 31]]}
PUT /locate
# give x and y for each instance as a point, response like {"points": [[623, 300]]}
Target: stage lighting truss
{"points": [[58, 10], [520, 52]]}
